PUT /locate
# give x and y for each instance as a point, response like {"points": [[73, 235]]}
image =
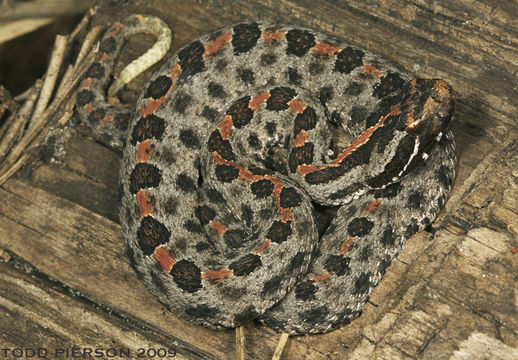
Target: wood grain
{"points": [[69, 281]]}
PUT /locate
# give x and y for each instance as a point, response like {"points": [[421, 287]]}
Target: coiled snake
{"points": [[230, 150]]}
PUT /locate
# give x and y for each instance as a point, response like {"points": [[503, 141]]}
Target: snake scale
{"points": [[230, 156]]}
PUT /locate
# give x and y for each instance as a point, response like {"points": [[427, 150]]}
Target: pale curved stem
{"points": [[164, 38]]}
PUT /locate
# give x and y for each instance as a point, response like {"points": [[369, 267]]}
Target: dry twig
{"points": [[280, 346], [240, 343], [16, 145]]}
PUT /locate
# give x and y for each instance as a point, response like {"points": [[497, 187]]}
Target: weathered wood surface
{"points": [[450, 294]]}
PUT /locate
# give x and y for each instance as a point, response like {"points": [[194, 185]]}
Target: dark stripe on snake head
{"points": [[393, 169], [150, 234], [347, 191], [325, 175]]}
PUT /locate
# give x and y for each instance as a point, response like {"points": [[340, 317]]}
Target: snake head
{"points": [[427, 109], [422, 111]]}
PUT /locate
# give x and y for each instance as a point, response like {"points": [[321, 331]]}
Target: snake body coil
{"points": [[231, 149]]}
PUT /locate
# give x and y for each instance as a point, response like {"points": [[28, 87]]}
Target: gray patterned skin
{"points": [[228, 150]]}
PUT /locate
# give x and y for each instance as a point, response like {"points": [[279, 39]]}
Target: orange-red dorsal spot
{"points": [[107, 118], [152, 106], [112, 33], [372, 206], [322, 277], [371, 70], [215, 45], [306, 169], [145, 204], [514, 251], [262, 247], [325, 49], [144, 150], [87, 82], [364, 136], [217, 226], [175, 74], [300, 140], [296, 106], [345, 246], [245, 174], [164, 258], [226, 127], [272, 35], [217, 275], [103, 58], [285, 214], [89, 108], [257, 100]]}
